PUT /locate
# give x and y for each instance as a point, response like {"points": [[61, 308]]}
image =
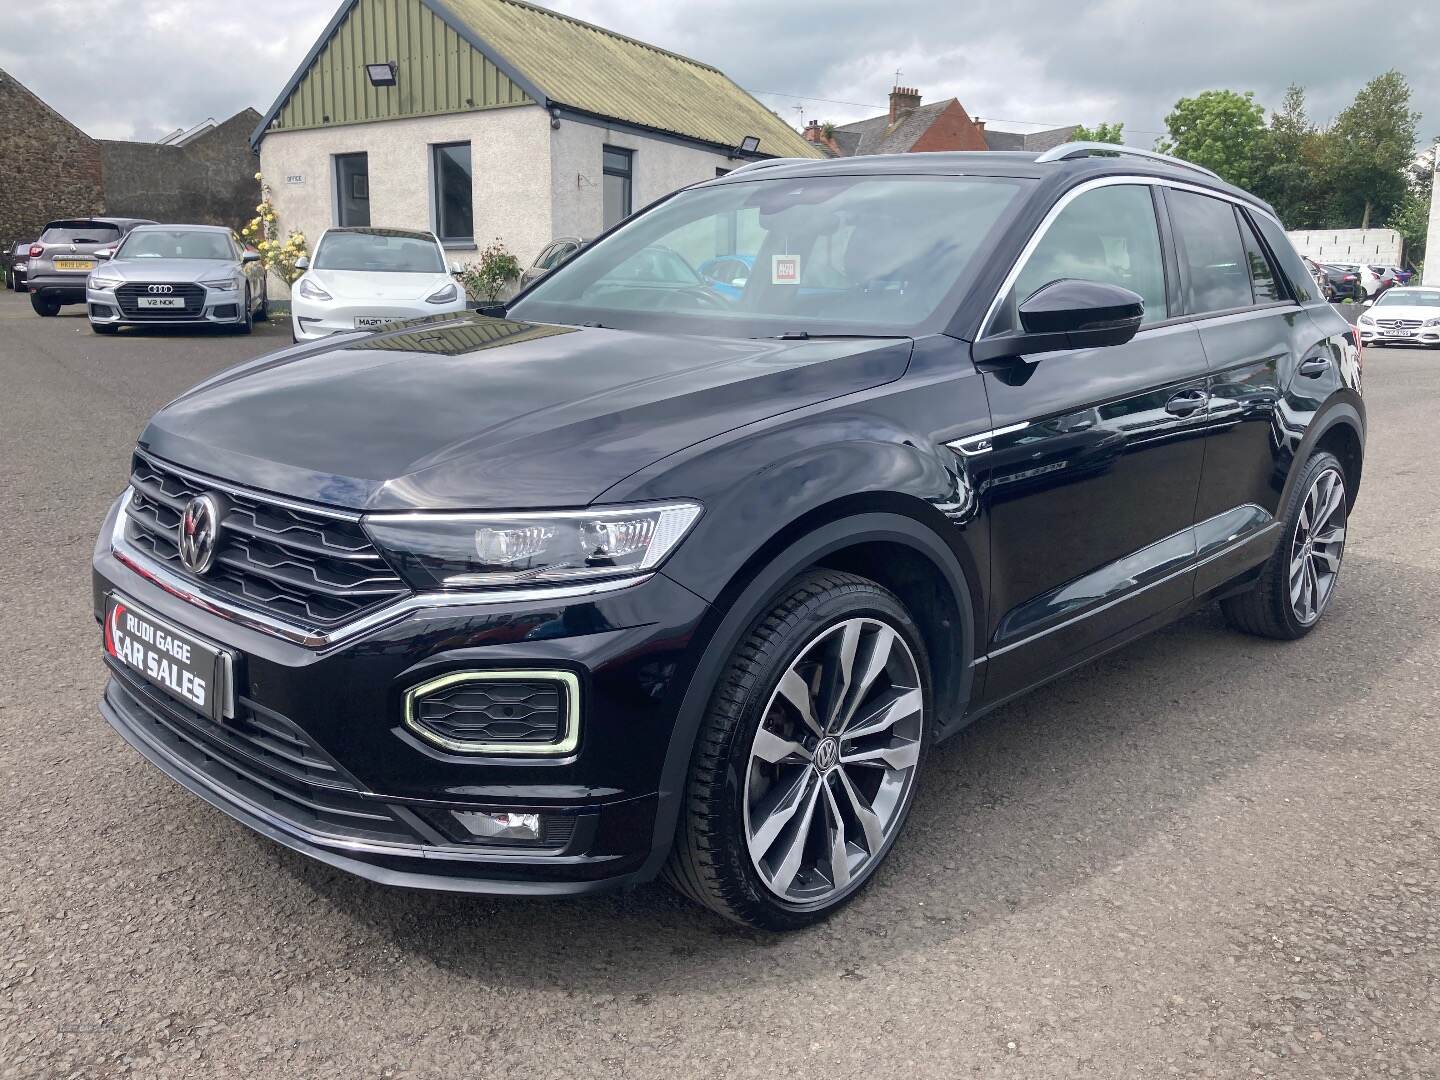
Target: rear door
{"points": [[1091, 475], [1252, 327]]}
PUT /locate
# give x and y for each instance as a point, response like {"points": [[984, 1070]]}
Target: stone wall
{"points": [[208, 181], [49, 168]]}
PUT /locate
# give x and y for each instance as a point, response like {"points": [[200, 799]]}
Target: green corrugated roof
{"points": [[602, 72]]}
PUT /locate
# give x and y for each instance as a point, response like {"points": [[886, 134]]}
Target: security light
{"points": [[749, 144], [381, 74]]}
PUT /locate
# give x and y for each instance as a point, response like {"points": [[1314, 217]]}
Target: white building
{"points": [[496, 119], [1379, 247]]}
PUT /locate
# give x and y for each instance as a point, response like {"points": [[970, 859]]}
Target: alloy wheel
{"points": [[1317, 547], [832, 765]]}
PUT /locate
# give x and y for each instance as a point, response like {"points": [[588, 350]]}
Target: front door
{"points": [[1091, 477]]}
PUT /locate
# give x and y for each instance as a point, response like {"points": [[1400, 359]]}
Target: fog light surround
{"points": [[510, 709]]}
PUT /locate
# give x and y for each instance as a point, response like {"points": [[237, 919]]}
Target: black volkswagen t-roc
{"points": [[647, 573]]}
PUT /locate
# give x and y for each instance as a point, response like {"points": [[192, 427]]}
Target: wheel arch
{"points": [[1339, 428], [885, 537]]}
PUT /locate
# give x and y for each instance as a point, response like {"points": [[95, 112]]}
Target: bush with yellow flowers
{"points": [[263, 232]]}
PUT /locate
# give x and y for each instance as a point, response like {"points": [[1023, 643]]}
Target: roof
{"points": [[153, 226], [558, 61], [370, 230], [1018, 164], [876, 136], [1036, 141]]}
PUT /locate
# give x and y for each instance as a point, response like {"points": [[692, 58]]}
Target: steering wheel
{"points": [[707, 298]]}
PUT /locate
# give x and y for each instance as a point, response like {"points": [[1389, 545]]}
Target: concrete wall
{"points": [[1381, 247], [1431, 275], [660, 167], [49, 168], [509, 161], [209, 181]]}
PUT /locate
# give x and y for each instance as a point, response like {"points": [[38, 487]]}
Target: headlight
{"points": [[469, 551], [105, 284], [224, 284], [1431, 322], [1365, 320], [311, 291], [443, 295]]}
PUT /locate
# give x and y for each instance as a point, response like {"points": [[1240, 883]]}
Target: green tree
{"points": [[1220, 129], [1101, 132], [1291, 158], [1372, 144]]}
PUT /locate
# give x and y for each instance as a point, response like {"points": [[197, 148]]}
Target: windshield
{"points": [[379, 252], [1409, 298], [176, 244], [80, 232], [874, 255]]}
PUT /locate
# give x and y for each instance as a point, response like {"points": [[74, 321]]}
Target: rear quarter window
{"points": [[1286, 255]]}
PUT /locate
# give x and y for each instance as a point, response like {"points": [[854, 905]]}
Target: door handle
{"points": [[1186, 402], [1314, 367]]}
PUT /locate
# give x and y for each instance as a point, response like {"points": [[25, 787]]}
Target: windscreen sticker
{"points": [[784, 269]]}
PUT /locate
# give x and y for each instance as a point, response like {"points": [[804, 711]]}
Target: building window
{"points": [[454, 211], [352, 189], [619, 173]]}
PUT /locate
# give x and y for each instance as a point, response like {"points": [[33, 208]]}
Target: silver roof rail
{"points": [[1070, 150], [769, 163]]}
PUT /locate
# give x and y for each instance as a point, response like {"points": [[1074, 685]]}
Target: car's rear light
{"points": [[36, 250]]}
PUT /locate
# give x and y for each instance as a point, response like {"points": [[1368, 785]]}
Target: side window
{"points": [[1301, 285], [1208, 241], [1108, 234], [1263, 283]]}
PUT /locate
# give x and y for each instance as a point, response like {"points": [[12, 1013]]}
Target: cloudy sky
{"points": [[140, 68]]}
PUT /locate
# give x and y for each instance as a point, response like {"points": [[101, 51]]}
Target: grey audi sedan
{"points": [[177, 275]]}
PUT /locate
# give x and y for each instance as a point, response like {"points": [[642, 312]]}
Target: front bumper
{"points": [[1426, 335], [312, 320], [318, 759], [223, 307]]}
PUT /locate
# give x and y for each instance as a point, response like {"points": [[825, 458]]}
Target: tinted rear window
{"points": [[80, 232]]}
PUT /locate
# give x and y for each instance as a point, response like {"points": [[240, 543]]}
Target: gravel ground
{"points": [[1206, 855]]}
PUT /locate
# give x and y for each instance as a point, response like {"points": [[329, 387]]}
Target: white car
{"points": [[363, 279], [1372, 278], [1403, 315]]}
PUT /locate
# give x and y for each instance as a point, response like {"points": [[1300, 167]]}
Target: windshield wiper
{"points": [[806, 335]]}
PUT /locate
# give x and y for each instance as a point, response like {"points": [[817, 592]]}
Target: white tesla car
{"points": [[1403, 315], [363, 279]]}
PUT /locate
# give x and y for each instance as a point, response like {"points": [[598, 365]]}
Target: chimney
{"points": [[903, 101], [812, 132]]}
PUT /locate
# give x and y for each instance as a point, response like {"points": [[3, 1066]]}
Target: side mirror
{"points": [[302, 263], [457, 268], [105, 253], [494, 311], [1069, 314], [249, 257]]}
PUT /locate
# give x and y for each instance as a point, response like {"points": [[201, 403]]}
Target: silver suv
{"points": [[63, 257]]}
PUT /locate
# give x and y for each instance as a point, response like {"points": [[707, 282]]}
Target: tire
{"points": [[750, 796], [47, 309], [103, 328], [1277, 606], [247, 321]]}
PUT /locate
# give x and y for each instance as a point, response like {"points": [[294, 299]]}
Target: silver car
{"points": [[177, 275]]}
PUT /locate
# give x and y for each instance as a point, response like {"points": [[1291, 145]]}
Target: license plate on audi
{"points": [[160, 301], [192, 671]]}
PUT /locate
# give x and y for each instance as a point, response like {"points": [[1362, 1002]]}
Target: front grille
{"points": [[193, 295], [265, 758], [1398, 324], [297, 565]]}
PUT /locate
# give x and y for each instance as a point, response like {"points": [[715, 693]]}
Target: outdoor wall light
{"points": [[748, 145], [381, 74]]}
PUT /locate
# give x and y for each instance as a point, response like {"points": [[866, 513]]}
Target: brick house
{"points": [[913, 128], [55, 170], [51, 166]]}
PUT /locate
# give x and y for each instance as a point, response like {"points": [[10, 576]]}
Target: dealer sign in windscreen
{"points": [[190, 670]]}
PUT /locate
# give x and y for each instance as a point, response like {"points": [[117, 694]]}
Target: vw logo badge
{"points": [[199, 532], [161, 288], [827, 754]]}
